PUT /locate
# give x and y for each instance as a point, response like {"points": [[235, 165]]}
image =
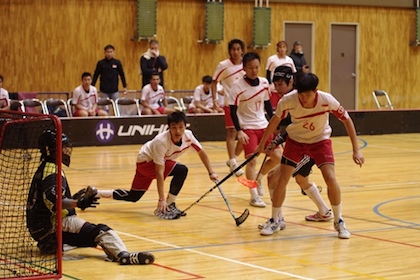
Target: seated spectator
{"points": [[85, 98], [4, 96], [151, 95], [203, 100]]}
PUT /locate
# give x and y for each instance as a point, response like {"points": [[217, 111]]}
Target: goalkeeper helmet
{"points": [[47, 145]]}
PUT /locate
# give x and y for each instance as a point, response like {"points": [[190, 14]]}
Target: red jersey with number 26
{"points": [[310, 125]]}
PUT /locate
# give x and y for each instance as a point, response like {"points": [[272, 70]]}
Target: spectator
{"points": [[109, 69], [279, 59], [203, 100], [299, 58], [151, 95], [4, 96], [151, 61], [41, 211], [85, 98]]}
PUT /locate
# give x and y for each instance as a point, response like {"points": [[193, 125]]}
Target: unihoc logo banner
{"points": [[104, 131]]}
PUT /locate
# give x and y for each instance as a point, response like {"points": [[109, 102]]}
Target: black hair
{"points": [[154, 73], [86, 74], [249, 57], [305, 82], [236, 41], [207, 79], [153, 41], [1, 78], [109, 47], [177, 117]]}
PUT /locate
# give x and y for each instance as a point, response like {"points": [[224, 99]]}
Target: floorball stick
{"points": [[239, 220], [252, 183]]}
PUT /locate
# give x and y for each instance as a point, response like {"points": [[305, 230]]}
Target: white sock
{"points": [[232, 161], [276, 214], [253, 192], [105, 193], [313, 193], [171, 198], [337, 212]]}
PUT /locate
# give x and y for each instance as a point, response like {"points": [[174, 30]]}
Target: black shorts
{"points": [[304, 167]]}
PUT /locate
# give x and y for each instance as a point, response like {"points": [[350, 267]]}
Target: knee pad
{"points": [[91, 232]]}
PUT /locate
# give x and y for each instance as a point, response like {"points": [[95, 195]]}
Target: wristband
{"points": [[161, 199]]}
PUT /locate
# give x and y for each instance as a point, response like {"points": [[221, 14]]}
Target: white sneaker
{"points": [[257, 202], [238, 173], [343, 233], [320, 218], [260, 188], [271, 227]]}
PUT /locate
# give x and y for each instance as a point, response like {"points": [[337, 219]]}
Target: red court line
{"points": [[194, 276]]}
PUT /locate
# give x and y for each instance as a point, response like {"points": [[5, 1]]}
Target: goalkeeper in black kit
{"points": [[40, 210]]}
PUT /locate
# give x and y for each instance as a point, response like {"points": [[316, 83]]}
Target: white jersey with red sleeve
{"points": [[86, 99], [151, 96], [161, 148], [227, 73], [4, 98], [204, 98], [310, 125], [250, 102], [275, 61]]}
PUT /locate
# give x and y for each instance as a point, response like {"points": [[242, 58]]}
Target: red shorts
{"points": [[228, 118], [145, 173], [255, 136], [161, 109], [321, 151]]}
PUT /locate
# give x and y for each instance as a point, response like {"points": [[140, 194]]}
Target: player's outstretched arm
{"points": [[206, 161], [351, 131], [271, 128]]}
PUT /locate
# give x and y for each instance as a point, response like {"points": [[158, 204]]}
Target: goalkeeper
{"points": [[40, 210]]}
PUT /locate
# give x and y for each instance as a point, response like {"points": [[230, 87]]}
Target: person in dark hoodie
{"points": [[299, 58]]}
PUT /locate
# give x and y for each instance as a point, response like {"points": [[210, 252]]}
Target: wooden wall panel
{"points": [[46, 45]]}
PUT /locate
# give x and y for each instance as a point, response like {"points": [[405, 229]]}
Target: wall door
{"points": [[344, 57], [300, 31]]}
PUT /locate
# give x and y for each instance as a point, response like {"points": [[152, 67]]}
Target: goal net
{"points": [[20, 257]]}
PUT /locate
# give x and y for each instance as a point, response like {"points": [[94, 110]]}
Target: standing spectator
{"points": [[299, 58], [151, 95], [248, 98], [109, 69], [85, 99], [4, 96], [41, 211], [227, 72], [309, 133], [151, 61], [281, 58], [157, 160], [203, 99]]}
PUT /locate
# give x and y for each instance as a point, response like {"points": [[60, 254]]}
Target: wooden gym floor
{"points": [[381, 206]]}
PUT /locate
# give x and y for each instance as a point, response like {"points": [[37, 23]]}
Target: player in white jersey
{"points": [[278, 59], [309, 134], [4, 96], [151, 95], [203, 98], [249, 99], [85, 99], [156, 160], [227, 72]]}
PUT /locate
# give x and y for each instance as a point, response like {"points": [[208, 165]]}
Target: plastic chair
{"points": [[379, 96], [32, 105], [128, 107], [70, 106], [57, 107], [186, 101], [15, 105], [108, 105], [173, 103]]}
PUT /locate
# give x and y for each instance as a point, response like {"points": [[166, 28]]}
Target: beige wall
{"points": [[46, 45]]}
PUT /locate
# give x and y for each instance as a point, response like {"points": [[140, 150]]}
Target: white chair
{"points": [[70, 106], [186, 101], [128, 107], [107, 104], [32, 105], [53, 106], [174, 103], [382, 99]]}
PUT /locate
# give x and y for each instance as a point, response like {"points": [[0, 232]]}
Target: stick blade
{"points": [[242, 218], [247, 183]]}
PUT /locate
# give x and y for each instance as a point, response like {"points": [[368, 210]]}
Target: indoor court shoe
{"points": [[271, 227], [340, 226], [257, 202], [126, 258], [168, 215], [282, 224], [172, 207], [260, 188], [320, 218], [238, 173]]}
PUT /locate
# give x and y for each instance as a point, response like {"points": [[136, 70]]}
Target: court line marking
{"points": [[216, 256]]}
